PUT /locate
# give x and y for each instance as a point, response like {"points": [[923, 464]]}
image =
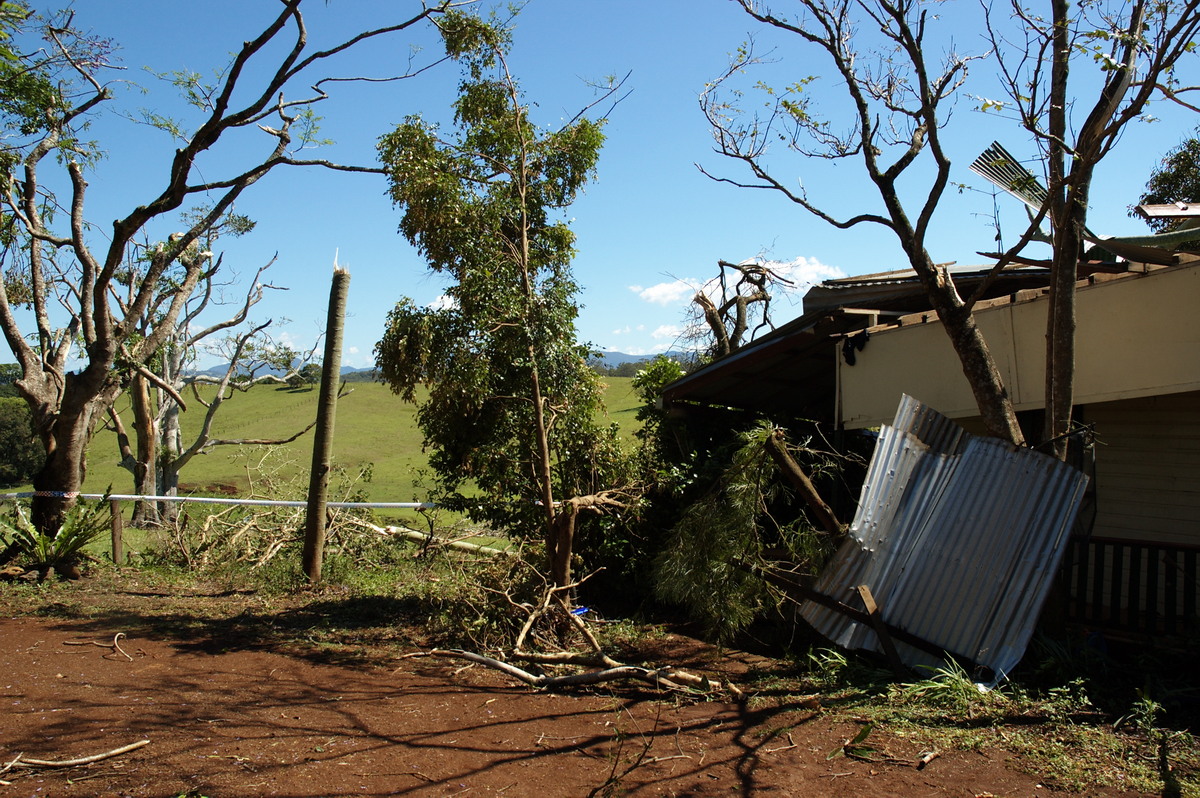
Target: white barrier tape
{"points": [[52, 494]]}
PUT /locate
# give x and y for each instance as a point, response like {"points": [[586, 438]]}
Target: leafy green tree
{"points": [[308, 376], [20, 454], [512, 402], [660, 443], [1177, 179], [25, 93], [9, 374]]}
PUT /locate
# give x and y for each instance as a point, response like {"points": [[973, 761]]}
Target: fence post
{"points": [[318, 481], [118, 543]]}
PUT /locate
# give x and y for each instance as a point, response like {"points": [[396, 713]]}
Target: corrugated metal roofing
{"points": [[999, 166], [958, 537]]}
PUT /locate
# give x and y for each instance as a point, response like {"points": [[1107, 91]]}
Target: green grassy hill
{"points": [[373, 427]]}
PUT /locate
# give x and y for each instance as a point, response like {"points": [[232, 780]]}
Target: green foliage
{"points": [[9, 374], [21, 454], [33, 75], [1176, 179], [26, 94], [485, 207], [950, 687], [308, 376], [82, 525], [708, 563], [830, 669], [704, 567], [659, 445], [650, 381]]}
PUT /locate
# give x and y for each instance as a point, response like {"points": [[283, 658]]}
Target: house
{"points": [[863, 342]]}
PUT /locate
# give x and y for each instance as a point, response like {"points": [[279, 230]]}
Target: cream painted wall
{"points": [[1137, 336]]}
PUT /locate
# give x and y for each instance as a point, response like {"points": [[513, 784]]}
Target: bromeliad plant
{"points": [[82, 524]]}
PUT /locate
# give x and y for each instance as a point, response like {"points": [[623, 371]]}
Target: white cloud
{"points": [[285, 337], [443, 302], [666, 293], [804, 271], [667, 331]]}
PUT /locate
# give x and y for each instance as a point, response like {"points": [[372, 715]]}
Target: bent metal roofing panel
{"points": [[958, 537]]}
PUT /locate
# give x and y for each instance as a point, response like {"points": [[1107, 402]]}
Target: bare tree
{"points": [[1134, 51], [66, 269], [159, 390], [896, 100], [899, 106], [729, 320]]}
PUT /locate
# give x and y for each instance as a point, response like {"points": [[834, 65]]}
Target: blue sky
{"points": [[650, 228]]}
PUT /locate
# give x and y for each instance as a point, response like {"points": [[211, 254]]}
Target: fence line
{"points": [[214, 500], [115, 499]]}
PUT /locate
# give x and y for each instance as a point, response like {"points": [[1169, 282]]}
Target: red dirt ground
{"points": [[250, 721]]}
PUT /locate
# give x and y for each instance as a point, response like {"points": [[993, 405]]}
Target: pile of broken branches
{"points": [[554, 616]]}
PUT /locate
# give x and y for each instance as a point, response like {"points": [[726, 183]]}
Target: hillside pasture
{"points": [[375, 429]]}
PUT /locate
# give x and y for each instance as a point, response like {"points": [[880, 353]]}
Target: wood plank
{"points": [[885, 638]]}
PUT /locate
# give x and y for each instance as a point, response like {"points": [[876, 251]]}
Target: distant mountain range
{"points": [[217, 371], [614, 359]]}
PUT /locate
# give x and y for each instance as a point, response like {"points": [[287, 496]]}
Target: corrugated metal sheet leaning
{"points": [[959, 539]]}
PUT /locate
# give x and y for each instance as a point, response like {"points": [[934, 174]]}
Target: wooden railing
{"points": [[1132, 585]]}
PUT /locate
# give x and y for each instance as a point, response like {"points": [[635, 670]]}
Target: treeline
{"points": [[21, 454], [630, 368]]}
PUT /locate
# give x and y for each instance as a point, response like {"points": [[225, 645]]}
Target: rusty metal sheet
{"points": [[959, 538]]}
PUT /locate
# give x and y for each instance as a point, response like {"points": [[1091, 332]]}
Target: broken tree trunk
{"points": [[318, 483], [821, 512]]}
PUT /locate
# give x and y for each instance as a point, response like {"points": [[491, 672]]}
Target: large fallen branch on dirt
{"points": [[776, 445], [115, 645], [21, 761], [667, 677]]}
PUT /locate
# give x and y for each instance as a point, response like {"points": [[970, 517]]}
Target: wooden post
{"points": [[318, 481], [885, 638], [118, 542]]}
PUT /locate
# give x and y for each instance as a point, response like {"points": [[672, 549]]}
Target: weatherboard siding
{"points": [[1148, 468], [1136, 336]]}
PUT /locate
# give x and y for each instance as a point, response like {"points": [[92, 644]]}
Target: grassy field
{"points": [[374, 427]]}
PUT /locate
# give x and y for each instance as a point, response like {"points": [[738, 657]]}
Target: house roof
{"points": [[791, 369]]}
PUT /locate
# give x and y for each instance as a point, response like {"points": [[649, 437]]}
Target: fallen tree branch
{"points": [[794, 473], [566, 658], [425, 537], [70, 763], [9, 766], [666, 677], [114, 646]]}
